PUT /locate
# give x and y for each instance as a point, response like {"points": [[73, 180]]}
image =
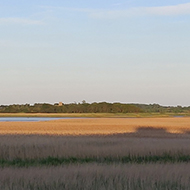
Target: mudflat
{"points": [[94, 126]]}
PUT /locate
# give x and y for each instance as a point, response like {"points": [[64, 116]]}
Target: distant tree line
{"points": [[156, 108], [102, 107]]}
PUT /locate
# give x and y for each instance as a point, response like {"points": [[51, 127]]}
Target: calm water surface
{"points": [[32, 118]]}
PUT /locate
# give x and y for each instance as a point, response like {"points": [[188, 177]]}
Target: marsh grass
{"points": [[31, 147], [96, 176], [124, 155], [54, 161], [95, 126]]}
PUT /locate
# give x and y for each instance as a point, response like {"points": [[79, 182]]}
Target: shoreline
{"points": [[96, 115]]}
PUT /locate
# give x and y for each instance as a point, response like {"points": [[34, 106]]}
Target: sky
{"points": [[128, 51]]}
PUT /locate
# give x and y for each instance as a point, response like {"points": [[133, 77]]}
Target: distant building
{"points": [[60, 103]]}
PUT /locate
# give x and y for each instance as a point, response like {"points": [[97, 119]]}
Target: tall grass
{"points": [[103, 126], [95, 176], [54, 161], [39, 147], [147, 158]]}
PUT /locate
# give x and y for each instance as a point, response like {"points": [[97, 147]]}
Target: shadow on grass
{"points": [[153, 132]]}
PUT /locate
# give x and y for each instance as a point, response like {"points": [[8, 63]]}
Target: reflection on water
{"points": [[31, 118]]}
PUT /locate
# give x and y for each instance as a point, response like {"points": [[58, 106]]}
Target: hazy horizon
{"points": [[117, 51]]}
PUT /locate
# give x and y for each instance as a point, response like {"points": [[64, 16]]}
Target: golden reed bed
{"points": [[102, 126]]}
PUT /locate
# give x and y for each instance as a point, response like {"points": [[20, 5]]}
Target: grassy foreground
{"points": [[55, 161], [98, 176], [103, 153]]}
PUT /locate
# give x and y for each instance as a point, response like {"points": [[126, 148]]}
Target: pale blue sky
{"points": [[116, 51]]}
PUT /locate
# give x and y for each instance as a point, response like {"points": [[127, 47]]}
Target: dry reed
{"points": [[95, 177], [95, 126], [97, 138], [38, 147]]}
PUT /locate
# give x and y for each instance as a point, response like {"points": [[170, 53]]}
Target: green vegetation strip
{"points": [[101, 109], [53, 161], [97, 115]]}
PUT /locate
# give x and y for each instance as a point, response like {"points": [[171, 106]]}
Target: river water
{"points": [[32, 118]]}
